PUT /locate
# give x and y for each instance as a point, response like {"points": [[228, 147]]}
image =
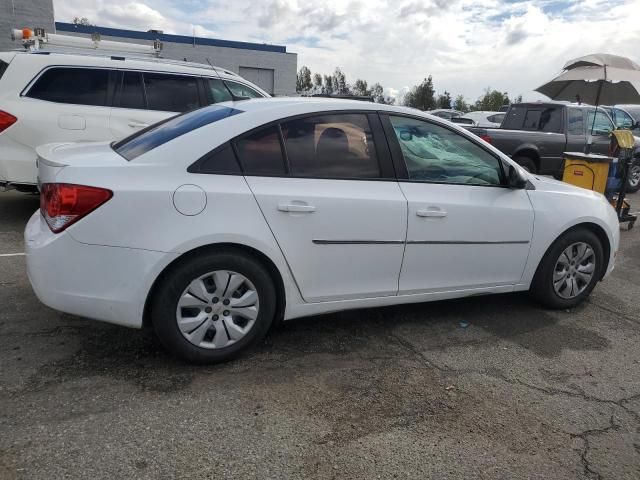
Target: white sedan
{"points": [[214, 224]]}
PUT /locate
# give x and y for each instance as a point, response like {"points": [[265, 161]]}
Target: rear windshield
{"points": [[534, 118], [3, 68], [165, 131]]}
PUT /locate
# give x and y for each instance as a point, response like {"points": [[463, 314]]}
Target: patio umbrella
{"points": [[597, 79]]}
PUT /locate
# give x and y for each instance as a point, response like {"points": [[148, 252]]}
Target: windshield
{"points": [[160, 133]]}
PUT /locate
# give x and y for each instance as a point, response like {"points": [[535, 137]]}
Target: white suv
{"points": [[60, 97]]}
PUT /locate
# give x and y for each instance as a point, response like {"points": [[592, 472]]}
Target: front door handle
{"points": [[431, 212], [296, 207], [134, 124]]}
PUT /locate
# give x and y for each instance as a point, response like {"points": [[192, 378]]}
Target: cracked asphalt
{"points": [[396, 392]]}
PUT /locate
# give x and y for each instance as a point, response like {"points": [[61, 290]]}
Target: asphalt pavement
{"points": [[489, 387]]}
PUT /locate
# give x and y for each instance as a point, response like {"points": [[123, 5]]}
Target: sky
{"points": [[467, 46]]}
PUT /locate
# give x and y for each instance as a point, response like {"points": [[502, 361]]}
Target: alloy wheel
{"points": [[574, 270], [634, 175], [217, 309]]}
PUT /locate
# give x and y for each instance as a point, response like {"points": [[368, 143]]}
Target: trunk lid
{"points": [[54, 157]]}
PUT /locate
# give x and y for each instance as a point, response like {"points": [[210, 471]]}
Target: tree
{"points": [[444, 100], [303, 80], [340, 86], [81, 21], [360, 87], [328, 85], [492, 100], [421, 96], [518, 99], [317, 83], [460, 104], [377, 92]]}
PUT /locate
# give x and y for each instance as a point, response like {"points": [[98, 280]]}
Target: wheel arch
{"points": [[529, 151], [598, 231], [268, 263]]}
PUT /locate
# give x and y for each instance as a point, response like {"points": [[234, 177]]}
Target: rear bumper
{"points": [[94, 281]]}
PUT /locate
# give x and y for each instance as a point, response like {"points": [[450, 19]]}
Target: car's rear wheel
{"points": [[633, 182], [569, 270], [210, 308]]}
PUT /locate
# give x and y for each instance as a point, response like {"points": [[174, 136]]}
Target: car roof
{"points": [[112, 59]]}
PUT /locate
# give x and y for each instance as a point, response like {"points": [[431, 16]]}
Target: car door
{"points": [[145, 98], [328, 192], [599, 129], [466, 229]]}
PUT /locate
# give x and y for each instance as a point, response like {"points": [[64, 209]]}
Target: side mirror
{"points": [[514, 180]]}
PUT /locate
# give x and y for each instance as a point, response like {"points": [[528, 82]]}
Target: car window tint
{"points": [[240, 90], [543, 119], [222, 160], [436, 154], [331, 146], [575, 121], [602, 124], [622, 119], [79, 86], [171, 93], [3, 67], [131, 93], [260, 153], [219, 93], [160, 133]]}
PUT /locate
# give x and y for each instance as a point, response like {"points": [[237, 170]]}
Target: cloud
{"points": [[466, 45]]}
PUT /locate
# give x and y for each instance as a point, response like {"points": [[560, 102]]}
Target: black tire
{"points": [[542, 285], [175, 281], [527, 163], [633, 182]]}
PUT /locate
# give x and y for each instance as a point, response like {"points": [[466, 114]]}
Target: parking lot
{"points": [[406, 392]]}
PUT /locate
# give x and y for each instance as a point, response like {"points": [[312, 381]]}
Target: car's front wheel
{"points": [[211, 307], [569, 270]]}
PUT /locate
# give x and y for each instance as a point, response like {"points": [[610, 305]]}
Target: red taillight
{"points": [[486, 138], [63, 204], [6, 120]]}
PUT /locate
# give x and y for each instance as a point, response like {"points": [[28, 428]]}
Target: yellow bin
{"points": [[586, 170]]}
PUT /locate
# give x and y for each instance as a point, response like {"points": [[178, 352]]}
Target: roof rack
{"points": [[37, 40]]}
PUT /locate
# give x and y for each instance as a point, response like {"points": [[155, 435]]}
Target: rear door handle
{"points": [[431, 212], [134, 124], [296, 207]]}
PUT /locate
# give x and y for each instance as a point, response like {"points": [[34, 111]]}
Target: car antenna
{"points": [[235, 99]]}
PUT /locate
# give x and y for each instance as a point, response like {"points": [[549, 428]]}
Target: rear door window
{"points": [[79, 86], [575, 119], [171, 93], [260, 152], [131, 91], [331, 146]]}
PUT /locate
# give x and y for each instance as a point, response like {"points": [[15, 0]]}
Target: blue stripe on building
{"points": [[166, 37]]}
